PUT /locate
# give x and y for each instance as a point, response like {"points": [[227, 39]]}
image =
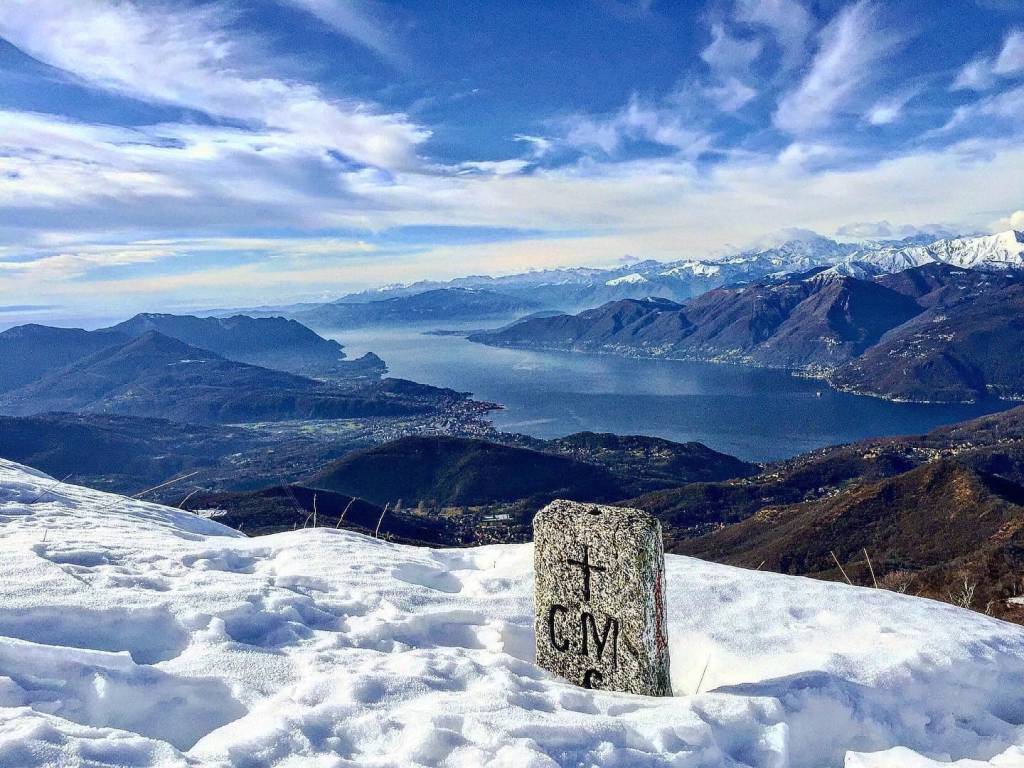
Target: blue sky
{"points": [[187, 154]]}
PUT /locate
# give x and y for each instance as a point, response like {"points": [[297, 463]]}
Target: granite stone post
{"points": [[599, 594]]}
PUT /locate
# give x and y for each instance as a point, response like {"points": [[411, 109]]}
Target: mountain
{"points": [[573, 290], [940, 285], [29, 351], [959, 350], [569, 289], [1001, 251], [125, 453], [931, 510], [954, 330], [804, 321], [232, 465], [155, 375], [450, 471], [269, 342], [441, 304], [643, 463], [927, 530], [144, 635], [807, 320], [576, 289]]}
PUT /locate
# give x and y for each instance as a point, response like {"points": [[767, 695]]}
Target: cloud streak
{"points": [[851, 48], [984, 72], [357, 21], [188, 59]]}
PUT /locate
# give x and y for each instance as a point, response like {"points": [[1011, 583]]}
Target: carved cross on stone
{"points": [[587, 568], [599, 577]]}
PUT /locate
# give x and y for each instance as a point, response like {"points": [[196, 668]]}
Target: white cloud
{"points": [[850, 52], [636, 122], [889, 110], [981, 73], [660, 208], [66, 266], [886, 230], [496, 167], [731, 95], [1010, 60], [804, 155], [976, 75], [1008, 106], [187, 59], [356, 20], [730, 59], [729, 54], [788, 20], [95, 176], [77, 186], [539, 145], [1014, 221]]}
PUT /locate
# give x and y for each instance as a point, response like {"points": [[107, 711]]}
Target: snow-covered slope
{"points": [[1004, 250], [134, 634], [631, 278]]}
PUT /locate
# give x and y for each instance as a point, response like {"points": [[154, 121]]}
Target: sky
{"points": [[177, 155]]}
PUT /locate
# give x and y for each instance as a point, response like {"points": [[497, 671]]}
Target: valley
{"points": [[447, 416]]}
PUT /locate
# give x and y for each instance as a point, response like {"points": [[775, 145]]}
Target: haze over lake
{"points": [[755, 414]]}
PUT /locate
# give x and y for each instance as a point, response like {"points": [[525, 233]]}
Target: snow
{"points": [[1004, 250], [630, 279], [694, 268], [138, 635]]}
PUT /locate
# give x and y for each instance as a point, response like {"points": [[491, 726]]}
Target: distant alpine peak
{"points": [[1003, 250], [632, 277]]}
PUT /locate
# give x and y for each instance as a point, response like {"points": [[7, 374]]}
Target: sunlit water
{"points": [[748, 412]]}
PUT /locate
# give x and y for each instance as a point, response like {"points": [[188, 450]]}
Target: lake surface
{"points": [[748, 412]]}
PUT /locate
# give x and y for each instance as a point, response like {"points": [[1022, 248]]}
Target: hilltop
{"points": [[181, 643]]}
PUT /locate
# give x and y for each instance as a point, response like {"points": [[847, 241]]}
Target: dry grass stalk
{"points": [[871, 568], [381, 520], [345, 512], [841, 570]]}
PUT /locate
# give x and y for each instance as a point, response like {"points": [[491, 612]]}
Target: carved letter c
{"points": [[563, 646]]}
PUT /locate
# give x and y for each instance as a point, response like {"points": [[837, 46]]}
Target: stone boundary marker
{"points": [[599, 592]]}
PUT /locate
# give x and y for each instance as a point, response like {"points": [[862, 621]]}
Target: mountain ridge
{"points": [[957, 328], [156, 375], [575, 289]]}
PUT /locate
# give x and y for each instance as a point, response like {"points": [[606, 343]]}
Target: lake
{"points": [[751, 413]]}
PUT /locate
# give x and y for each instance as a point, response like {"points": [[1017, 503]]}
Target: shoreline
{"points": [[821, 374]]}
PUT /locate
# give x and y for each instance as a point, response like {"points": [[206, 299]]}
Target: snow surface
{"points": [[630, 279], [1004, 250], [134, 634], [693, 268]]}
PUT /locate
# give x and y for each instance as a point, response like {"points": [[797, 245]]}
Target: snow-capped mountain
{"points": [[572, 289], [633, 278], [575, 289], [136, 634], [1004, 250]]}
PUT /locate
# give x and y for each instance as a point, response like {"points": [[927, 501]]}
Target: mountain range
{"points": [[430, 306], [201, 370], [272, 342], [576, 289], [155, 375], [931, 333], [29, 351]]}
